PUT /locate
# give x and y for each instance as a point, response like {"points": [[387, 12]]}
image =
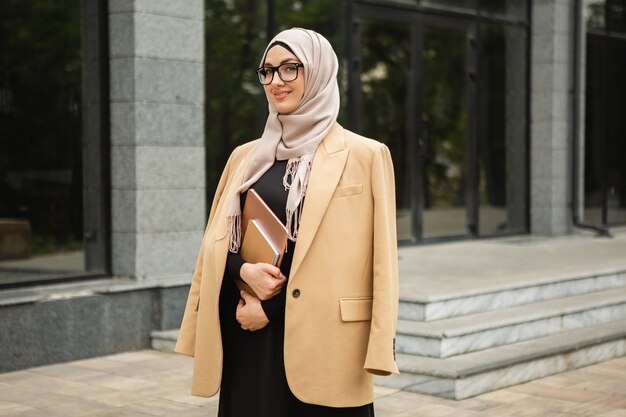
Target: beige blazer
{"points": [[340, 329]]}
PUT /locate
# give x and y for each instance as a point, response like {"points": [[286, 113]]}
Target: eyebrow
{"points": [[284, 61]]}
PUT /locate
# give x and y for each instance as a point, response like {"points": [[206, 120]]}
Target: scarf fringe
{"points": [[294, 215], [290, 172], [235, 233]]}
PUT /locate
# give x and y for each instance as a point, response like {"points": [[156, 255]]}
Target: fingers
{"points": [[272, 270], [250, 314]]}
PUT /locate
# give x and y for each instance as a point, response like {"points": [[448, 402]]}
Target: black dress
{"points": [[253, 378]]}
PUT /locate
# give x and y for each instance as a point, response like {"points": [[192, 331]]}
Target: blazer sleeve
{"points": [[187, 334], [380, 357]]}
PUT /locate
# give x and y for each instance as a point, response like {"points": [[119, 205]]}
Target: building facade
{"points": [[504, 117]]}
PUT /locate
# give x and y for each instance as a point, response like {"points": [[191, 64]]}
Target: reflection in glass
{"points": [[385, 58], [40, 148], [235, 108], [605, 172], [502, 130], [595, 14], [444, 132]]}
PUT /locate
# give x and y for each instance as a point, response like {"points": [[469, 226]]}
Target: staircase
{"points": [[462, 346], [476, 316]]}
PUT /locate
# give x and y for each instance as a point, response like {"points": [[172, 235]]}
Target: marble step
{"points": [[164, 340], [474, 373], [468, 300], [479, 331]]}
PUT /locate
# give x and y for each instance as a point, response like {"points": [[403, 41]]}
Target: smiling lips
{"points": [[280, 95]]}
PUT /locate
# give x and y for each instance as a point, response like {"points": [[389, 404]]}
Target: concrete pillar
{"points": [[157, 136], [551, 125]]}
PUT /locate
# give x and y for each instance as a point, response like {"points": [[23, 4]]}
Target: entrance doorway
{"points": [[413, 87]]}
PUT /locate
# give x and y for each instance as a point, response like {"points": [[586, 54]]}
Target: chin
{"points": [[284, 108]]}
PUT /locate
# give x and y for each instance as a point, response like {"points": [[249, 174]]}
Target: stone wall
{"points": [[157, 136]]}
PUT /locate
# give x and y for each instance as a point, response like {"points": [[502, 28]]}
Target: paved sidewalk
{"points": [[152, 383]]}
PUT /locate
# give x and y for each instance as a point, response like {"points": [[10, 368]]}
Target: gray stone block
{"points": [[541, 192], [169, 124], [160, 167], [542, 44], [124, 210], [543, 78], [168, 81], [541, 220], [163, 254], [142, 123], [123, 130], [122, 84], [170, 210], [123, 253], [543, 106], [168, 37], [123, 167], [75, 327], [563, 17], [563, 48], [121, 6], [122, 35], [547, 135], [561, 134], [191, 9], [173, 301]]}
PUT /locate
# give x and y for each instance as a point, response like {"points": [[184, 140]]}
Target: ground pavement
{"points": [[152, 383]]}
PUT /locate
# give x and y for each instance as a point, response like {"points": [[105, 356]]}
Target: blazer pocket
{"points": [[347, 190], [356, 309]]}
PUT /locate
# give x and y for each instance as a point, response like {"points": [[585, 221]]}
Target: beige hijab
{"points": [[295, 136]]}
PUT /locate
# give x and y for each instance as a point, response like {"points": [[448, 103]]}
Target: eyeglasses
{"points": [[286, 72]]}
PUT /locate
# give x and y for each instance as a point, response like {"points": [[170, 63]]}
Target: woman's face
{"points": [[283, 95]]}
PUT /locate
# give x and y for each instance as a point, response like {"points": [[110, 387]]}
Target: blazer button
{"points": [[296, 293]]}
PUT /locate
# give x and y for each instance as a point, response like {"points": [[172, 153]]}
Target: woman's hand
{"points": [[250, 313], [265, 280]]}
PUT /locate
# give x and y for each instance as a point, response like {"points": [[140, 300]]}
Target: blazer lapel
{"points": [[328, 163]]}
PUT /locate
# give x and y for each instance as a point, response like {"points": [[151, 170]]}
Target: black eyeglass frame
{"points": [[276, 70]]}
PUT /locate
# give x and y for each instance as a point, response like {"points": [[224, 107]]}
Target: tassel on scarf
{"points": [[235, 233], [297, 177]]}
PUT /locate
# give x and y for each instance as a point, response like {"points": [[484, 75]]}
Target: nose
{"points": [[277, 80]]}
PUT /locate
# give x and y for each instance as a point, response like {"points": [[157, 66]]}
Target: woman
{"points": [[325, 320]]}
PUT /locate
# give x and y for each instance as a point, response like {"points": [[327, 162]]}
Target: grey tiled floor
{"points": [[151, 383]]}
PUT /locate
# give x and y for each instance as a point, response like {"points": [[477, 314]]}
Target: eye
{"points": [[265, 72], [290, 68]]}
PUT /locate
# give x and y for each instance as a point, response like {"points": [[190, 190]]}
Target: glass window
{"points": [[385, 86], [236, 108], [595, 14], [605, 172], [510, 8], [502, 129], [41, 185], [444, 132]]}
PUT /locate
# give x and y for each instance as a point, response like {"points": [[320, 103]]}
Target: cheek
{"points": [[300, 90]]}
